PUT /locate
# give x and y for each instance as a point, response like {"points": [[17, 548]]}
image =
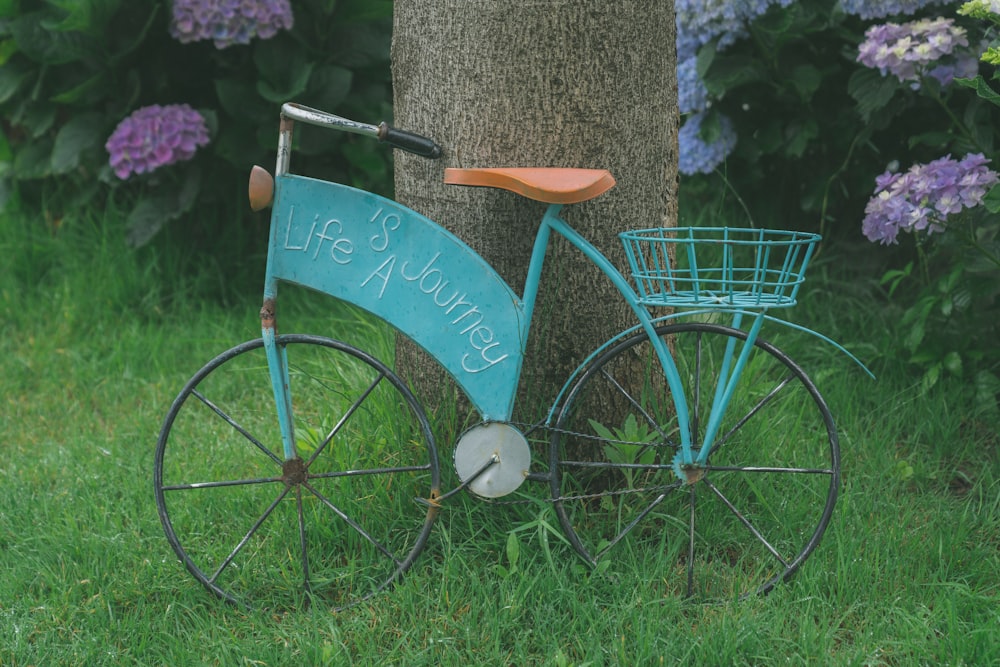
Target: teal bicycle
{"points": [[298, 467]]}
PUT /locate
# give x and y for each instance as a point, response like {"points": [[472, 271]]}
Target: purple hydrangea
{"points": [[936, 48], [229, 22], [698, 156], [879, 9], [154, 136], [922, 199]]}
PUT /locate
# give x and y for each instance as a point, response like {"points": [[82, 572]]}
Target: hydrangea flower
{"points": [[913, 49], [698, 156], [229, 22], [981, 9], [154, 136], [698, 23], [922, 199], [701, 21], [692, 96], [878, 9]]}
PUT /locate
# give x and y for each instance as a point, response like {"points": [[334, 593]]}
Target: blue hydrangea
{"points": [[155, 136], [698, 23], [922, 199], [878, 9], [692, 96], [229, 22], [698, 156], [701, 21]]}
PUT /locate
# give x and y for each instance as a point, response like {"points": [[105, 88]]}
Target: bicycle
{"points": [[298, 466]]}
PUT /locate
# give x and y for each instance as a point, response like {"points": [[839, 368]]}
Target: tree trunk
{"points": [[509, 83]]}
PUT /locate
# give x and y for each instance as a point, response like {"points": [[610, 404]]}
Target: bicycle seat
{"points": [[552, 185]]}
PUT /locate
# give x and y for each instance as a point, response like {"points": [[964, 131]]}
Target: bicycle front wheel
{"points": [[735, 526], [338, 522]]}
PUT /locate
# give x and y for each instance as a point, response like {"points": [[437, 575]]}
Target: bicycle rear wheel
{"points": [[737, 526], [336, 524]]}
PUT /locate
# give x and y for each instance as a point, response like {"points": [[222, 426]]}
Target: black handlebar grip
{"points": [[409, 142]]}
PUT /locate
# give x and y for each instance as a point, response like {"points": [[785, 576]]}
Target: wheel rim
{"points": [[735, 527], [338, 524]]}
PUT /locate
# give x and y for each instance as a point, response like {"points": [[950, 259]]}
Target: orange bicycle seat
{"points": [[552, 185]]}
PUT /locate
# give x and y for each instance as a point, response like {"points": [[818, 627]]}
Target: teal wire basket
{"points": [[718, 267]]}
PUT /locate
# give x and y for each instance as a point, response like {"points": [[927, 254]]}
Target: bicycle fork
{"points": [[692, 458], [277, 363]]}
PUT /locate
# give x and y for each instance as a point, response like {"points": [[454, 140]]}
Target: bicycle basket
{"points": [[718, 267]]}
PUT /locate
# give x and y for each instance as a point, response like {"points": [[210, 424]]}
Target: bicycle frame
{"points": [[409, 271]]}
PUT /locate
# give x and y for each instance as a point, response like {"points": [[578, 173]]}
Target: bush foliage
{"points": [[72, 70], [834, 104]]}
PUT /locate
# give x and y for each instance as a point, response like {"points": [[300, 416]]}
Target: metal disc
{"points": [[479, 445]]}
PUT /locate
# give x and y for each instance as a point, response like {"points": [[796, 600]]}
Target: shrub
{"points": [[852, 122], [72, 71]]}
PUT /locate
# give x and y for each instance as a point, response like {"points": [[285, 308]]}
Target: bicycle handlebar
{"points": [[407, 141]]}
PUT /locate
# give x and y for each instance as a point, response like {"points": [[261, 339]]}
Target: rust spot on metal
{"points": [[294, 471], [693, 474], [267, 314]]}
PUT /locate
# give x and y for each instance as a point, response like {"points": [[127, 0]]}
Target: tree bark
{"points": [[569, 83]]}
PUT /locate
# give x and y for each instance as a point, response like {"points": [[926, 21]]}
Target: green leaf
{"points": [[871, 90], [84, 15], [799, 136], [78, 91], [930, 378], [364, 10], [8, 47], [239, 99], [987, 389], [8, 8], [992, 199], [727, 73], [952, 363], [12, 78], [148, 217], [33, 160], [153, 211], [46, 46], [280, 61], [932, 139], [328, 86], [81, 134], [806, 79], [983, 89], [513, 550]]}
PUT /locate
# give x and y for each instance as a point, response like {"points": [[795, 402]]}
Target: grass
{"points": [[97, 340]]}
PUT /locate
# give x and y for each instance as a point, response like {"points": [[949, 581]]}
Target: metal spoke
{"points": [[639, 517], [242, 431], [638, 406], [753, 411], [746, 522], [368, 471], [690, 564], [801, 471], [343, 419], [230, 482], [246, 538], [302, 540], [353, 524], [696, 408]]}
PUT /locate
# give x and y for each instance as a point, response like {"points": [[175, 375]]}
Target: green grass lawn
{"points": [[97, 340]]}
